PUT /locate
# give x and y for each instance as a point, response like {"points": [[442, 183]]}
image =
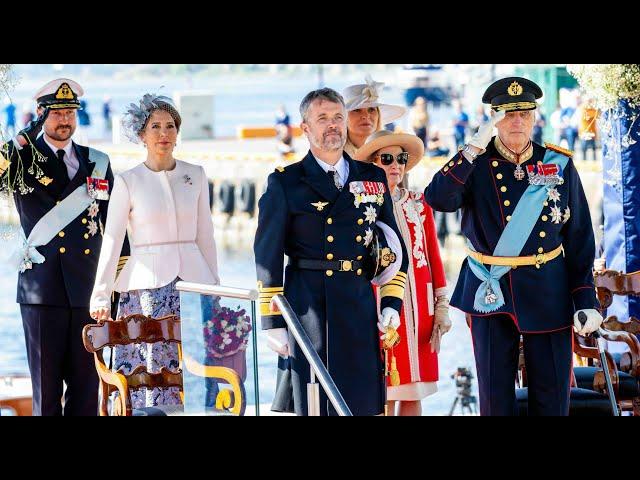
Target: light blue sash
{"points": [[489, 297], [57, 218]]}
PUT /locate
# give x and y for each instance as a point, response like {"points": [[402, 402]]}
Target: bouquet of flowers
{"points": [[227, 331], [609, 83]]}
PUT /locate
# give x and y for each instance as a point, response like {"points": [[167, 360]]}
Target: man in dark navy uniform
{"points": [[60, 190], [530, 252], [321, 212]]}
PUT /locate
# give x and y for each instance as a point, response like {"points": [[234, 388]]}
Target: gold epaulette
{"points": [[280, 168], [558, 149], [265, 296]]}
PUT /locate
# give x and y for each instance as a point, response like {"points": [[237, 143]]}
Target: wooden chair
{"points": [[143, 329], [609, 283]]}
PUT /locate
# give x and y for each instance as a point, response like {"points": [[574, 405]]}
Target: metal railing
{"points": [[317, 367]]}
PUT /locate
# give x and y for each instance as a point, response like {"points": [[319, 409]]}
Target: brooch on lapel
{"points": [[187, 180], [367, 192], [45, 181]]}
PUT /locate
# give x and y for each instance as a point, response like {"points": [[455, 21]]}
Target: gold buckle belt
{"points": [[513, 262]]}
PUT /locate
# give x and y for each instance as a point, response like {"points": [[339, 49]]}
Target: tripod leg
{"points": [[455, 401]]}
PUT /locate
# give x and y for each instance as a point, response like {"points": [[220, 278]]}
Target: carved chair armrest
{"points": [[236, 401]]}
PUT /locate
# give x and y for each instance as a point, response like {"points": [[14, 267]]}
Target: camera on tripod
{"points": [[468, 401]]}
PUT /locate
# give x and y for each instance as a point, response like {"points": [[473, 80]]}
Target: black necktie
{"points": [[334, 178], [62, 168]]}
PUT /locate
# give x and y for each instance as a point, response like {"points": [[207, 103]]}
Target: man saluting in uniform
{"points": [[61, 192], [322, 212], [530, 252]]}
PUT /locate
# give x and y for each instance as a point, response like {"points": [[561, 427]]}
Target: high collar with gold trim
{"points": [[512, 156]]}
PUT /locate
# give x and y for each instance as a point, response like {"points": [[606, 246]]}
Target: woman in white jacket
{"points": [[164, 204]]}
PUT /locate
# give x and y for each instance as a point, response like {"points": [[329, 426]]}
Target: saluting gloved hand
{"points": [[484, 134], [31, 131], [593, 322], [278, 341]]}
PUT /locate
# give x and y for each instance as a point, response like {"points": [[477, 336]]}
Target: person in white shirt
{"points": [[156, 202]]}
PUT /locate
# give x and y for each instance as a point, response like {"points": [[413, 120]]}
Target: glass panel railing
{"points": [[219, 349]]}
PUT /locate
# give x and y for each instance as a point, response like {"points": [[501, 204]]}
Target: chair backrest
{"points": [[611, 282], [130, 330]]}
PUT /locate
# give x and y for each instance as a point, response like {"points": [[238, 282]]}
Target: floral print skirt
{"points": [[156, 303]]}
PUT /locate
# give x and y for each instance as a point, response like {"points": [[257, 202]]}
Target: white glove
{"points": [[484, 134], [278, 341], [388, 318], [593, 323]]}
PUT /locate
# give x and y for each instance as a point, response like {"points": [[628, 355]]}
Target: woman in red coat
{"points": [[425, 312]]}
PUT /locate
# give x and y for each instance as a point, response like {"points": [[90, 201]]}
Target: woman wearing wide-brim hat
{"points": [[366, 113], [425, 312]]}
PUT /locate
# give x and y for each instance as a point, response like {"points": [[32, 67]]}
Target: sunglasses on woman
{"points": [[387, 158]]}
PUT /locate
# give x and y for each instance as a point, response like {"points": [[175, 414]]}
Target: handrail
{"points": [[229, 292], [312, 356]]}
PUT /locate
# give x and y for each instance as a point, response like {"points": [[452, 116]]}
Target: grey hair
{"points": [[328, 94], [136, 117]]}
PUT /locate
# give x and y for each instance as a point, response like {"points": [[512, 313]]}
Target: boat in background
{"points": [[425, 80]]}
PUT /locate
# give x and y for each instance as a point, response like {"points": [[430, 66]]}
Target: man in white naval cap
{"points": [[61, 192]]}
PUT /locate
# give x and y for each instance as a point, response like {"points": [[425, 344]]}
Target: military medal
{"points": [[98, 188], [549, 174], [490, 297], [519, 173], [367, 192], [320, 205]]}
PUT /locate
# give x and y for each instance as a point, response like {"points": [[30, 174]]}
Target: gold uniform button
{"points": [[446, 169], [330, 239], [359, 257], [84, 220], [329, 273], [359, 238], [499, 176], [546, 204], [540, 250], [57, 202], [544, 218], [359, 271], [62, 249], [86, 236], [508, 218], [494, 163], [87, 251], [360, 221], [543, 234], [451, 164], [507, 203], [503, 189], [329, 256], [329, 220], [460, 162], [61, 234]]}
